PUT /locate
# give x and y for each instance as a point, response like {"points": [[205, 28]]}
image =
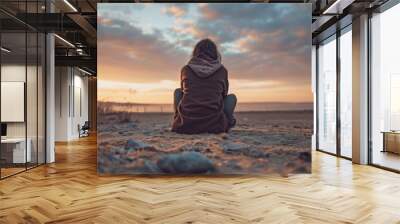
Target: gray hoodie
{"points": [[204, 68]]}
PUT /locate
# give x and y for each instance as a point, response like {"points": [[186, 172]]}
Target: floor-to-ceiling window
{"points": [[334, 93], [345, 93], [326, 61], [385, 89], [22, 88]]}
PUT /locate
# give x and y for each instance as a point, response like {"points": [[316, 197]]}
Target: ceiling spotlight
{"points": [[5, 50], [70, 5], [79, 51], [65, 41]]}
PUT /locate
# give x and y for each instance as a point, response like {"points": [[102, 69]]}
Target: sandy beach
{"points": [[261, 143]]}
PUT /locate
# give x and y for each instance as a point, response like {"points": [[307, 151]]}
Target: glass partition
{"points": [[22, 88], [13, 92], [327, 95]]}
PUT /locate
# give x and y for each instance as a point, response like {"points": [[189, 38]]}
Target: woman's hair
{"points": [[206, 49]]}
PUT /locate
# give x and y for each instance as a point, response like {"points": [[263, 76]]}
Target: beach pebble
{"points": [[256, 153], [290, 140], [148, 132], [224, 136], [234, 148], [185, 163], [244, 149], [132, 125], [113, 158], [234, 165], [133, 145], [148, 167], [196, 146]]}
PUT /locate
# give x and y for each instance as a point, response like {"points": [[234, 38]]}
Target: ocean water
{"points": [[168, 108]]}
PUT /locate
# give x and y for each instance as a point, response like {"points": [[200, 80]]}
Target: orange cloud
{"points": [[175, 11], [104, 21], [187, 27], [207, 12]]}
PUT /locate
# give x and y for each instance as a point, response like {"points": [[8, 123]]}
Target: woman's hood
{"points": [[204, 68]]}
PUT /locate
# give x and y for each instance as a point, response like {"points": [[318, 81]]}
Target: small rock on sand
{"points": [[234, 148], [185, 163], [224, 136], [133, 145], [147, 167], [243, 149]]}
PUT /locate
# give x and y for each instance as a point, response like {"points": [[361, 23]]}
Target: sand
{"points": [[260, 143]]}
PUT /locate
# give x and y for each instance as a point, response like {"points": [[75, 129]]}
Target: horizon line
{"points": [[100, 101]]}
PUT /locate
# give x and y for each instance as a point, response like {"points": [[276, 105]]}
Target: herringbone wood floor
{"points": [[70, 191]]}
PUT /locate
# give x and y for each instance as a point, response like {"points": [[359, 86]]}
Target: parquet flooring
{"points": [[70, 191]]}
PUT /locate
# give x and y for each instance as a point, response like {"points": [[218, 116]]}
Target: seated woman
{"points": [[202, 104]]}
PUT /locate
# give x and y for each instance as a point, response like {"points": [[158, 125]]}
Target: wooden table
{"points": [[391, 141]]}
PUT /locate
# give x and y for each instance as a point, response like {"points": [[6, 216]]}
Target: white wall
{"points": [[13, 101], [70, 84], [33, 126], [62, 82], [17, 73], [79, 112], [12, 73]]}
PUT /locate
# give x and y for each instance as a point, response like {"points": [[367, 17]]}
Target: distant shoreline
{"points": [[238, 112], [165, 104], [106, 107]]}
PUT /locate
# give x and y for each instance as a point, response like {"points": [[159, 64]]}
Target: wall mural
{"points": [[201, 88]]}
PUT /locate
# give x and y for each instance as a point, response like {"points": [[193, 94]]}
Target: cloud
{"points": [[175, 10], [138, 87], [123, 46], [265, 43], [261, 44]]}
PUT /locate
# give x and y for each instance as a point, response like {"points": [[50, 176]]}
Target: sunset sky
{"points": [[266, 49]]}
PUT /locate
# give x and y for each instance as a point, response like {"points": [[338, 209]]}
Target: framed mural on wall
{"points": [[196, 88]]}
